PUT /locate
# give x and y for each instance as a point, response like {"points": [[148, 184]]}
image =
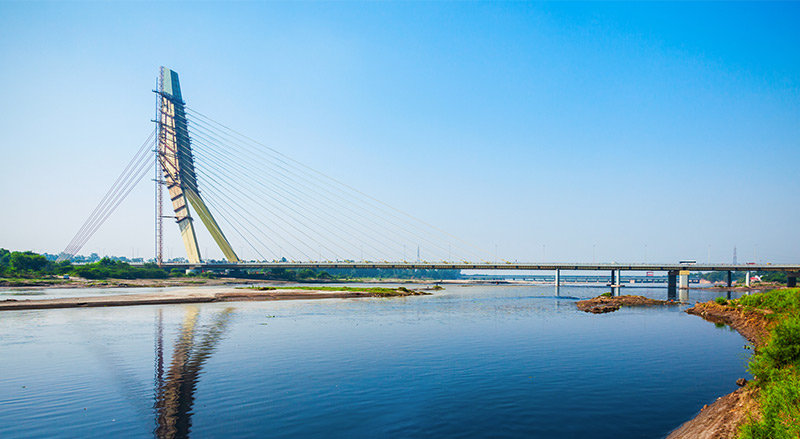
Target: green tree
{"points": [[63, 267], [28, 261], [5, 257], [305, 273]]}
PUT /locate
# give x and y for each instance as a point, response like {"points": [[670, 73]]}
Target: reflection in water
{"points": [[174, 395]]}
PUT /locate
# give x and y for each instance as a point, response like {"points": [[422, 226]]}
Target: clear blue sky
{"points": [[674, 126]]}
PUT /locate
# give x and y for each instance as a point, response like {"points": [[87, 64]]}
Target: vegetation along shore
{"points": [[29, 269]]}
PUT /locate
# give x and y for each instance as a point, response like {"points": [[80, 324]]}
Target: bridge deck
{"points": [[491, 266]]}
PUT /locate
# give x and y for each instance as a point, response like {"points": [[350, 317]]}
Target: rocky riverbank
{"points": [[751, 323]]}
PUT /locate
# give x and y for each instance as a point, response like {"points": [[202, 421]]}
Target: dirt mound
{"points": [[604, 304]]}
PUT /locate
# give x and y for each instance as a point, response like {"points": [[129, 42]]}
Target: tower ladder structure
{"points": [[177, 164]]}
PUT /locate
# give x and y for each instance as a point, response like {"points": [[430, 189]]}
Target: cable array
{"points": [[137, 168], [279, 208]]}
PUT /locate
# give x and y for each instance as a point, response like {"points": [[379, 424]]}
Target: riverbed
{"points": [[468, 361]]}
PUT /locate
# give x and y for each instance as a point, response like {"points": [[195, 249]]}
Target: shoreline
{"points": [[721, 419], [191, 295]]}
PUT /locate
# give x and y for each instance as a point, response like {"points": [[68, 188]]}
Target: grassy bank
{"points": [[775, 365]]}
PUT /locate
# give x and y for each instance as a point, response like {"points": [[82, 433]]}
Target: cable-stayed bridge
{"points": [[280, 213]]}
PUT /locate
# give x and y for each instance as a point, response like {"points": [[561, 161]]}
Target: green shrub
{"points": [[107, 268], [778, 301], [774, 277], [780, 409], [782, 350], [605, 295], [721, 300], [90, 272]]}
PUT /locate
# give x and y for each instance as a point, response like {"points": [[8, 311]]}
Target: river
{"points": [[468, 361]]}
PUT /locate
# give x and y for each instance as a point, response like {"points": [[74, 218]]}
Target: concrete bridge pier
{"points": [[791, 280], [683, 280], [747, 279], [615, 282], [558, 281], [672, 277], [730, 279], [616, 277]]}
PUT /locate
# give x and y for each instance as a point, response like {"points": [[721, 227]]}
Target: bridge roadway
{"points": [[789, 268], [673, 270]]}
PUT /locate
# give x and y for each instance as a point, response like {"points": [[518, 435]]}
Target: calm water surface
{"points": [[480, 361]]}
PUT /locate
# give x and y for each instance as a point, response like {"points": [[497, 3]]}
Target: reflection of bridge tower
{"points": [[176, 160], [174, 394]]}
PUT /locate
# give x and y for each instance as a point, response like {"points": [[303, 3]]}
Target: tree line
{"points": [[14, 264], [28, 264], [739, 276]]}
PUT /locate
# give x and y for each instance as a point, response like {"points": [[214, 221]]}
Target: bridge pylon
{"points": [[177, 163]]}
